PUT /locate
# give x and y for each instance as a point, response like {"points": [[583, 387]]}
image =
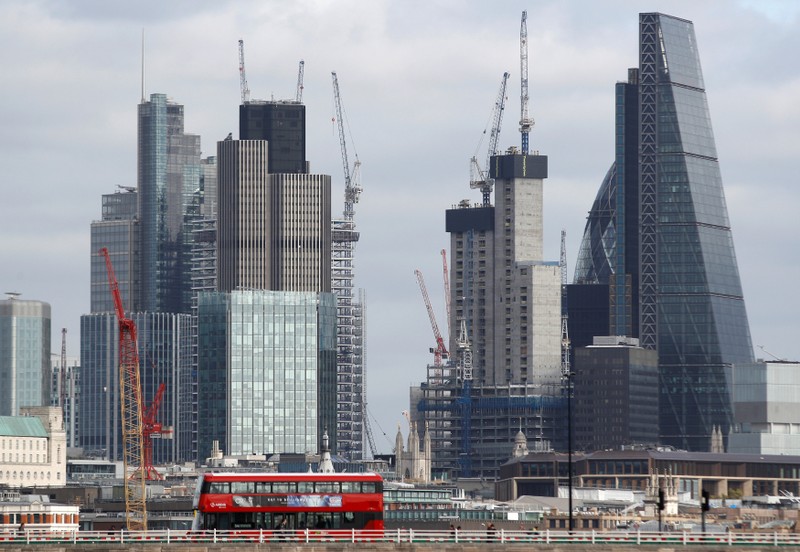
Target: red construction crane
{"points": [[151, 428], [440, 352], [130, 392]]}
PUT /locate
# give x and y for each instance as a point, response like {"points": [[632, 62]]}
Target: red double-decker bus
{"points": [[284, 501]]}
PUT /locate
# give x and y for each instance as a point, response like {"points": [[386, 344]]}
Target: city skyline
{"points": [[418, 82]]}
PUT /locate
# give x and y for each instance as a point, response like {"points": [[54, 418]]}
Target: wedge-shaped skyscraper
{"points": [[659, 236]]}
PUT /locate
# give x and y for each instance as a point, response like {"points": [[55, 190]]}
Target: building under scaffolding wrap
{"points": [[350, 385], [472, 427]]}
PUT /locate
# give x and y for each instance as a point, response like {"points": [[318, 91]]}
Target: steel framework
{"points": [[130, 392]]}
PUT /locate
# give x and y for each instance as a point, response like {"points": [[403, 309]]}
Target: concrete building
{"points": [[36, 513], [24, 354], [766, 408], [267, 371], [615, 394], [506, 320], [659, 236], [509, 296], [541, 474], [34, 448]]}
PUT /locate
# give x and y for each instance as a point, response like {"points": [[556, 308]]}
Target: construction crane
{"points": [[465, 402], [130, 392], [525, 121], [446, 276], [352, 186], [245, 90], [368, 430], [440, 352], [299, 94], [150, 428], [479, 178], [565, 344]]}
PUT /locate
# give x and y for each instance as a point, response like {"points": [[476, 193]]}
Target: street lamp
{"points": [[568, 383]]}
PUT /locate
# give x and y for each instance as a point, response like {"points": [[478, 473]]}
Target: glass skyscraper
{"points": [[267, 371], [164, 344], [24, 354], [169, 171], [659, 236]]}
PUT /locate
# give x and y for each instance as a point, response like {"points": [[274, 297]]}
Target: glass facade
{"points": [[24, 355], [266, 371], [672, 260], [169, 172], [283, 125], [164, 344], [117, 232]]}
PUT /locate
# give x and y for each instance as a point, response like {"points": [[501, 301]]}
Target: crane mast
{"points": [[299, 94], [479, 178], [440, 351], [245, 91], [130, 392], [565, 343], [352, 188], [446, 276], [151, 428], [525, 121]]}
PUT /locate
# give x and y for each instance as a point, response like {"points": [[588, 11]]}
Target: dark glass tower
{"points": [[283, 125], [659, 236]]}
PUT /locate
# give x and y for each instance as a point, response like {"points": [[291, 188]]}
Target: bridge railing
{"points": [[500, 536]]}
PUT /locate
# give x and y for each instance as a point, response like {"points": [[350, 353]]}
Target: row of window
{"points": [[14, 475], [278, 487], [25, 458], [27, 444]]}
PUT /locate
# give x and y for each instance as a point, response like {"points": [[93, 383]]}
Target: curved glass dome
{"points": [[599, 237]]}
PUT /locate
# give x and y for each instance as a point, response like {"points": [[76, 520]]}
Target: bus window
{"points": [[368, 487], [284, 487], [326, 487], [242, 487], [219, 487], [263, 487], [305, 486], [349, 518], [350, 487]]}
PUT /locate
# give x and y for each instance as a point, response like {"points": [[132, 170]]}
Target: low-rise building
{"points": [[35, 512], [33, 448]]}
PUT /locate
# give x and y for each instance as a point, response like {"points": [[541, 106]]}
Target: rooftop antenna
{"points": [[142, 65]]}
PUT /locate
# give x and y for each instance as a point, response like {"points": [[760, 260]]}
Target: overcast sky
{"points": [[418, 80]]}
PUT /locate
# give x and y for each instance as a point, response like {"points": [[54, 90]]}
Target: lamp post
{"points": [[568, 375]]}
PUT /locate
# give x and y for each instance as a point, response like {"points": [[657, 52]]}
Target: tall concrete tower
{"points": [[500, 284]]}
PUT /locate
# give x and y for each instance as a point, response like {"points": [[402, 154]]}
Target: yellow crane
{"points": [[130, 392]]}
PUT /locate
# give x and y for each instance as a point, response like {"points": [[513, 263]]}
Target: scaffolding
{"points": [[350, 389], [472, 427]]}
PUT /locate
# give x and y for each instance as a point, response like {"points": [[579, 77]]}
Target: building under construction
{"points": [[505, 309]]}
